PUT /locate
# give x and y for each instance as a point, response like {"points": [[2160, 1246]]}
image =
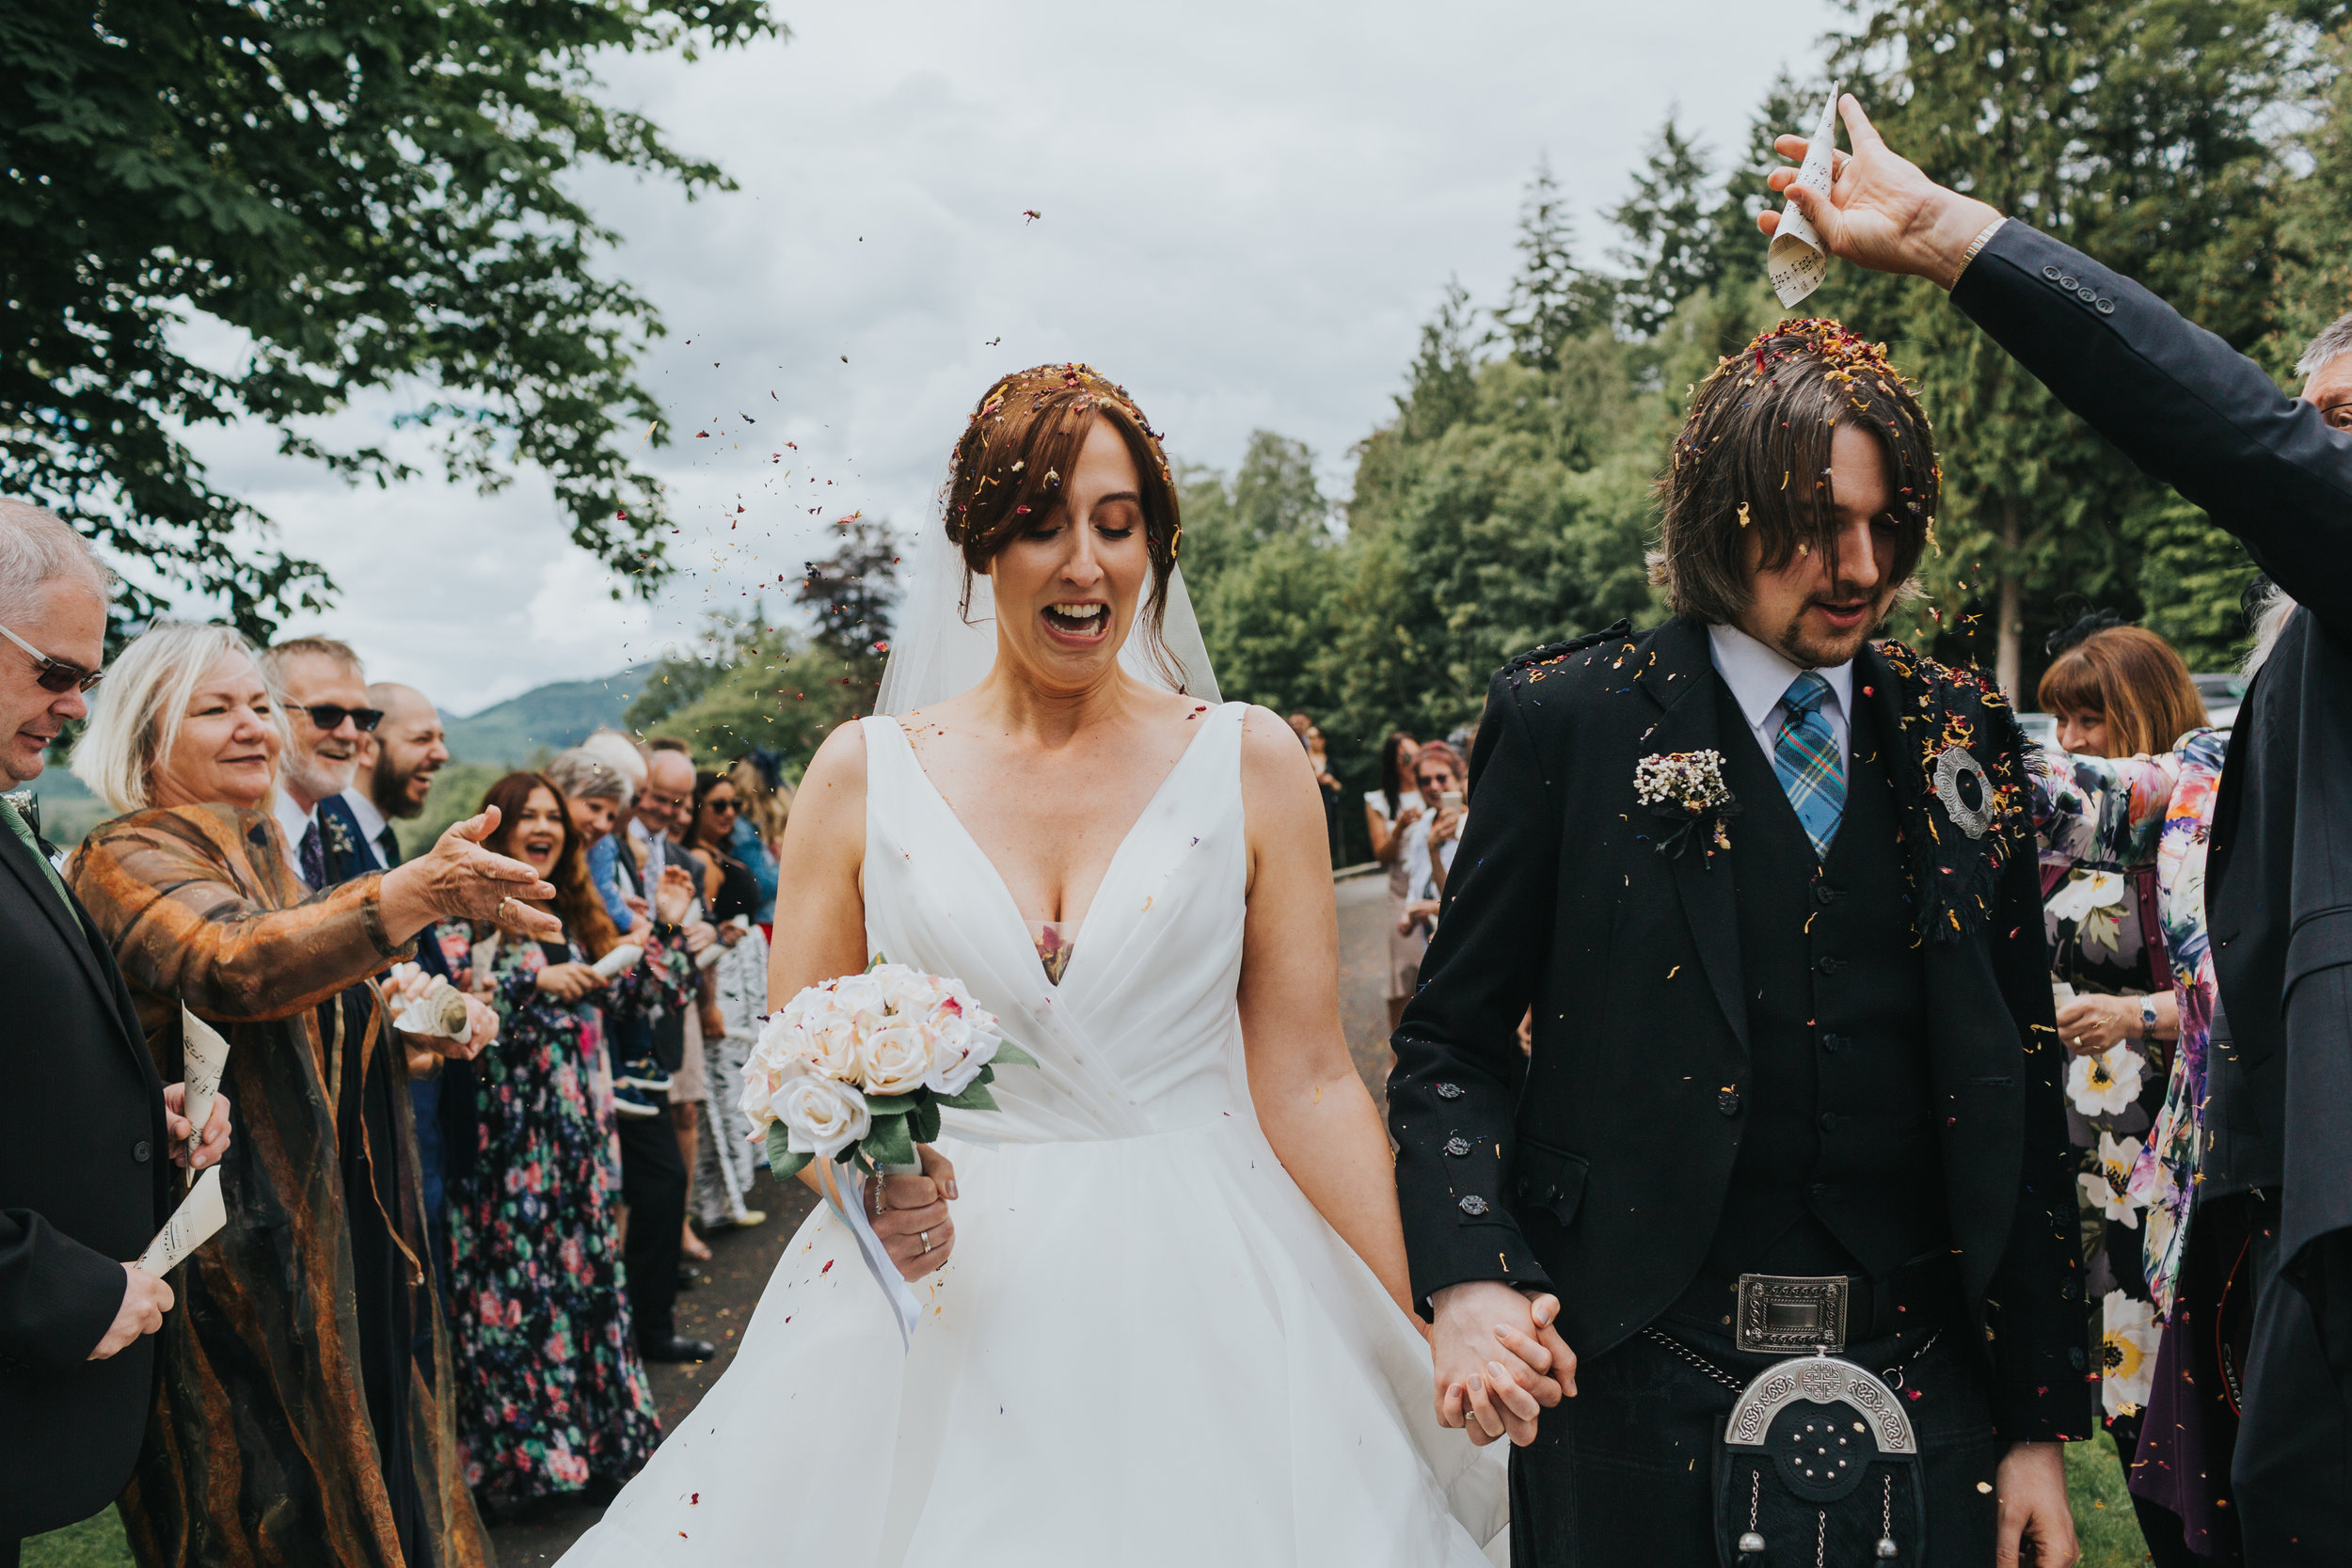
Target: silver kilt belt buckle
{"points": [[1820, 1460], [1783, 1314]]}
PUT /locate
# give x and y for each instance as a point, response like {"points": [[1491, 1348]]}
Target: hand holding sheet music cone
{"points": [[1880, 211]]}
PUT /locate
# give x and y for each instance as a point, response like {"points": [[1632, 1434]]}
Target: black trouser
{"points": [[653, 1184], [11, 1552], [2292, 1468], [1623, 1474]]}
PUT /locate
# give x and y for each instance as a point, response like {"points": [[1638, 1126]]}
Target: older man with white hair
{"points": [[86, 1130]]}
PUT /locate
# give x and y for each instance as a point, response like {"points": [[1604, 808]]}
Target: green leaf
{"points": [[975, 1098], [888, 1144], [891, 1104], [923, 1121], [781, 1160], [1010, 1054]]}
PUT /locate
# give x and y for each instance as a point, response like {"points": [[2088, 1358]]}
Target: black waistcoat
{"points": [[1838, 1166]]}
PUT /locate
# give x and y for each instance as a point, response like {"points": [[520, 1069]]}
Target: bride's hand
{"points": [[910, 1214]]}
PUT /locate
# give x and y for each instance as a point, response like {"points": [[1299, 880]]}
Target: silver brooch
{"points": [[1457, 1146], [1449, 1091], [1473, 1205], [1960, 776]]}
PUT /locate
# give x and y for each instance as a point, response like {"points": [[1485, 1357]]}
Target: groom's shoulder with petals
{"points": [[1594, 663], [1940, 700]]}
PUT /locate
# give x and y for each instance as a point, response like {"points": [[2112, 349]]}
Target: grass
{"points": [[97, 1542], [2104, 1521], [2094, 1480]]}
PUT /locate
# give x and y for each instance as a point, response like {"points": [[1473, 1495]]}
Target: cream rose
{"points": [[957, 1065], [895, 1060], [821, 1116]]}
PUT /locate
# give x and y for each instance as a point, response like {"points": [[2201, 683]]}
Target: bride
{"points": [[1163, 1288]]}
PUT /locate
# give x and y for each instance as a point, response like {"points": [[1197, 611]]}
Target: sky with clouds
{"points": [[1247, 210]]}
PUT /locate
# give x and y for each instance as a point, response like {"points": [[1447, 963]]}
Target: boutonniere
{"points": [[1687, 788]]}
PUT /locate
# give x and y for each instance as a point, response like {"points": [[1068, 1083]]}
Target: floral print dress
{"points": [[2123, 845], [552, 1395]]}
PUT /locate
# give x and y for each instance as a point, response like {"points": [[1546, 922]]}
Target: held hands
{"points": [[1881, 212], [2029, 1490], [179, 1130], [910, 1214], [1500, 1362], [145, 1300], [459, 879]]}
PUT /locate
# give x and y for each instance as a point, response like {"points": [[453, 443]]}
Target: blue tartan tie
{"points": [[311, 852], [1811, 766]]}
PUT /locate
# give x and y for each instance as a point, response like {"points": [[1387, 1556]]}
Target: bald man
{"points": [[410, 748]]}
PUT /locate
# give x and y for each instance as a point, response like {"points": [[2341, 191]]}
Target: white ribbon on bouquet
{"points": [[831, 1177]]}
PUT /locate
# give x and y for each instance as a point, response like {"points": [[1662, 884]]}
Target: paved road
{"points": [[741, 1260]]}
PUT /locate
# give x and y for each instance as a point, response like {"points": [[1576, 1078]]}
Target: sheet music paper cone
{"points": [[1796, 262], [206, 1057], [198, 1220]]}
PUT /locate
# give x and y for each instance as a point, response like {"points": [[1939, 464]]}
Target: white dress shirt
{"points": [[295, 822], [371, 823], [1758, 677]]}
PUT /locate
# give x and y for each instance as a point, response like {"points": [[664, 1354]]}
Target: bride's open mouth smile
{"points": [[1080, 624]]}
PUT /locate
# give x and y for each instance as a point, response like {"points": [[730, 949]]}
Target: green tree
{"points": [[1668, 224], [1553, 300], [852, 592], [352, 196]]}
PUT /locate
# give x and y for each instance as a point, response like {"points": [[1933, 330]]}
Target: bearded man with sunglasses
{"points": [[324, 689], [87, 1132]]}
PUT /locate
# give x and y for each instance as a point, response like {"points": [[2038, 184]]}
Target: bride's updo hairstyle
{"points": [[1006, 471]]}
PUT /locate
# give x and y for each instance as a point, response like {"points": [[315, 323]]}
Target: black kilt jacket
{"points": [[1598, 1166]]}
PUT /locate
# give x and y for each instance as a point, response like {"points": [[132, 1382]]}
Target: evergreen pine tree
{"points": [[1669, 253], [1553, 300]]}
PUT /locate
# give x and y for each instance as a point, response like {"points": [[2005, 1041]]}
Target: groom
{"points": [[1770, 891]]}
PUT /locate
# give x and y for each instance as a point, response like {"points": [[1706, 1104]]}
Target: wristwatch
{"points": [[2148, 1018]]}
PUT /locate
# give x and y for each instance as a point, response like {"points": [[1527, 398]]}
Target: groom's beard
{"points": [[1811, 645]]}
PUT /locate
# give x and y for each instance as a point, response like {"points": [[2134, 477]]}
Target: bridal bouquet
{"points": [[858, 1069]]}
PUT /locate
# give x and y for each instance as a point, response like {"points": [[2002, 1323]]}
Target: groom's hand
{"points": [[1881, 212], [1499, 1361]]}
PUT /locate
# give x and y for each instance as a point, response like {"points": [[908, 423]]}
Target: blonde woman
{"points": [[290, 1426]]}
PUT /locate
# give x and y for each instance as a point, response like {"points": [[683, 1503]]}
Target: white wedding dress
{"points": [[1148, 1348]]}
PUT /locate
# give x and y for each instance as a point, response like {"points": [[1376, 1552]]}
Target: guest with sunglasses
{"points": [[323, 689]]}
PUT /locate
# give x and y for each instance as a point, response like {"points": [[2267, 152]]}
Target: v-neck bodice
{"points": [[1142, 1035]]}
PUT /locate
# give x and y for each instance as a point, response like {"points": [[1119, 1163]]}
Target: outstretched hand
{"points": [[458, 880], [1499, 1360], [1881, 212]]}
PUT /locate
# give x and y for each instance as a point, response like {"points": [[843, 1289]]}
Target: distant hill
{"points": [[545, 719]]}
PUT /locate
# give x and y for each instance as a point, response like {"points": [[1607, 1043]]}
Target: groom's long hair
{"points": [[1754, 456], [1005, 473]]}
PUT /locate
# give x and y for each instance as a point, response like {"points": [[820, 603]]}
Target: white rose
{"points": [[906, 993], [895, 1060], [953, 1070], [859, 996], [766, 1070], [820, 1116], [829, 1048]]}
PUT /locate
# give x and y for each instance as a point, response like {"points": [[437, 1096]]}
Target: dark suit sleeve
{"points": [[1458, 1064], [57, 1297], [2041, 1376], [2180, 403]]}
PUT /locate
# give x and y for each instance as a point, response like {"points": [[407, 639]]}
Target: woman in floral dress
{"points": [[2122, 836], [552, 1395]]}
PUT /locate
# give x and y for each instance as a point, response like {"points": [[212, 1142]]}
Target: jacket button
{"points": [[1821, 1189], [1824, 894], [1458, 1145], [1829, 1121], [1727, 1101], [1473, 1205], [1830, 965], [1449, 1091], [1832, 1043], [2050, 273], [141, 1151], [2069, 284], [2075, 1357], [2107, 307]]}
